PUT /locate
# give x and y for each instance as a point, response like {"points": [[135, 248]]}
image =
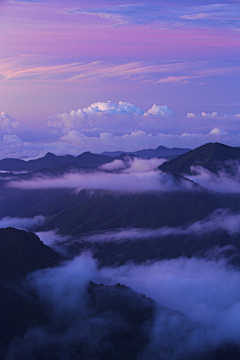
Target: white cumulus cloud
{"points": [[217, 132], [159, 111], [191, 115], [7, 122], [12, 139], [109, 116], [213, 115]]}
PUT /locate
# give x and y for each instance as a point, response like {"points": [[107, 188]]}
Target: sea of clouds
{"points": [[223, 181], [128, 175], [202, 296]]}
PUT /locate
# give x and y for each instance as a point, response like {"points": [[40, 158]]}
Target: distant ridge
{"points": [[51, 161], [150, 153], [210, 156], [112, 153], [86, 159]]}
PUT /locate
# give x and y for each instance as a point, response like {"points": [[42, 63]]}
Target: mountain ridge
{"points": [[86, 159], [22, 309], [210, 156], [149, 153]]}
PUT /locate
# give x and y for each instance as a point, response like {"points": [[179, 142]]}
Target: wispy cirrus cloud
{"points": [[26, 68], [29, 68], [26, 1], [212, 15]]}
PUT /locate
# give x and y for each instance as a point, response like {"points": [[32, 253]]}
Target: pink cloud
{"points": [[68, 61], [71, 36]]}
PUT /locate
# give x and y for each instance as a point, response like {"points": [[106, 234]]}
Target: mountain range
{"points": [[86, 159], [210, 156], [115, 319], [48, 302], [22, 310], [160, 151]]}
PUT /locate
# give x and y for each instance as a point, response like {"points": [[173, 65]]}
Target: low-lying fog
{"points": [[203, 296], [137, 175]]}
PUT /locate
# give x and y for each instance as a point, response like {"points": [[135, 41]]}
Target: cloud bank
{"points": [[135, 165], [77, 142], [54, 240], [137, 175], [223, 181], [107, 126], [109, 116], [8, 123], [205, 291], [82, 318], [201, 312], [22, 223], [218, 220], [100, 180]]}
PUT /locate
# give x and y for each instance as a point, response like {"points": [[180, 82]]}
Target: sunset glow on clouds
{"points": [[58, 60]]}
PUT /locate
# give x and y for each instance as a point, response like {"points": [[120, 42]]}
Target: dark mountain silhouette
{"points": [[75, 214], [160, 151], [117, 321], [20, 253], [211, 156], [113, 153], [128, 313], [86, 159], [116, 325], [138, 251], [107, 322]]}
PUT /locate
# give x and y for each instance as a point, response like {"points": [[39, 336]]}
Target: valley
{"points": [[102, 224]]}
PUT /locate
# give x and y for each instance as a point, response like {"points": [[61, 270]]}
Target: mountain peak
{"points": [[49, 154], [208, 156], [161, 147], [86, 153]]}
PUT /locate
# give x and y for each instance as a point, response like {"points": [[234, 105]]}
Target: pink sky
{"points": [[56, 58]]}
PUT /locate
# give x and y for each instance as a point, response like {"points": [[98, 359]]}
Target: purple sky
{"points": [[62, 62]]}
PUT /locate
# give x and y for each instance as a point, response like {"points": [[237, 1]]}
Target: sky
{"points": [[124, 75]]}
